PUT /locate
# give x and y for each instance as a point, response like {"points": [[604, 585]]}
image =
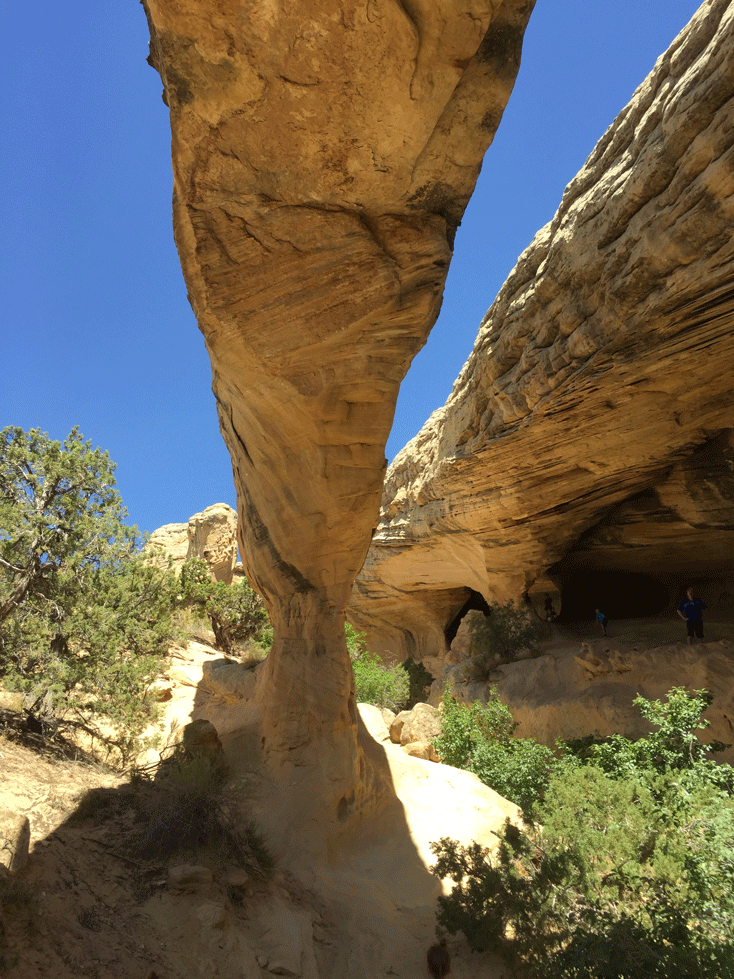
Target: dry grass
{"points": [[187, 810]]}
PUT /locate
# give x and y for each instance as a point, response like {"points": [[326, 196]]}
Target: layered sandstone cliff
{"points": [[592, 422], [323, 155]]}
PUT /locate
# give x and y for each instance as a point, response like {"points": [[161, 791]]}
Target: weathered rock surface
{"points": [[169, 541], [210, 536], [15, 836], [415, 730], [574, 691], [323, 156], [596, 409]]}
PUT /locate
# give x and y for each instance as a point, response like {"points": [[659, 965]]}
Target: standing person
{"points": [[691, 611], [603, 621]]}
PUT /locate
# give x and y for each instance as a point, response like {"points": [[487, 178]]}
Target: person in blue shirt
{"points": [[691, 611], [603, 621]]}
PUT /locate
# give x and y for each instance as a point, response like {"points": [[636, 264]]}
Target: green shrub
{"points": [[673, 746], [498, 637], [384, 686], [356, 645], [622, 880], [84, 620], [627, 872], [236, 612], [479, 738]]}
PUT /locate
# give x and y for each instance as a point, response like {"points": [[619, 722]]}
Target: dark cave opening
{"points": [[474, 601], [619, 594]]}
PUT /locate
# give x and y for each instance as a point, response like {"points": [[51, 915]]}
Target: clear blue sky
{"points": [[95, 328]]}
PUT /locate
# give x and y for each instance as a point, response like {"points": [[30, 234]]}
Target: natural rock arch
{"points": [[323, 156]]}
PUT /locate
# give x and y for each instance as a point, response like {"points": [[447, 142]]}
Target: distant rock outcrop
{"points": [[590, 431], [323, 155], [169, 541], [210, 536]]}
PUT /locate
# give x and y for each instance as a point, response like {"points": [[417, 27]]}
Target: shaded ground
{"points": [[93, 903]]}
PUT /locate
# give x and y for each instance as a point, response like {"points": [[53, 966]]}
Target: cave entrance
{"points": [[476, 602], [619, 594]]}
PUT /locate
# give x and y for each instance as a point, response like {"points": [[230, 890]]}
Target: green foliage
{"points": [[498, 637], [356, 645], [479, 738], [236, 612], [84, 621], [265, 639], [384, 686], [674, 746], [628, 871]]}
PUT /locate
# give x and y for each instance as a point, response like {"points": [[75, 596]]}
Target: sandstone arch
{"points": [[323, 155]]}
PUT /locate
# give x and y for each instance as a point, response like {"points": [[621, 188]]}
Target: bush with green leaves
{"points": [[479, 738], [498, 637], [674, 746], [625, 872], [236, 612], [84, 620], [355, 640], [384, 686]]}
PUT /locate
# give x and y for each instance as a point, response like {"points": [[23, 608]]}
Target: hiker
{"points": [[691, 611], [603, 621], [438, 960], [550, 612]]}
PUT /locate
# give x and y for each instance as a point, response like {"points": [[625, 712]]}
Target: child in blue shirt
{"points": [[602, 620]]}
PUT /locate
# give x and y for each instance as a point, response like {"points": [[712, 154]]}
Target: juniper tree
{"points": [[80, 609]]}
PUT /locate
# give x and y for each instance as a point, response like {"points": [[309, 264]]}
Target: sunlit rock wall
{"points": [[605, 363]]}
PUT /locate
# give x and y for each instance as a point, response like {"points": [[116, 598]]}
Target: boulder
{"points": [[590, 431], [421, 724], [421, 749], [15, 838]]}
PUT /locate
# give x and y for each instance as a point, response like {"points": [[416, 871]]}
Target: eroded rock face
{"points": [[595, 411], [212, 537], [169, 541], [323, 156]]}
